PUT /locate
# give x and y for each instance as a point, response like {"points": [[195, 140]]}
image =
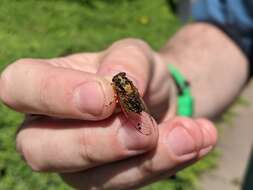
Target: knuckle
{"points": [[46, 85], [86, 147]]}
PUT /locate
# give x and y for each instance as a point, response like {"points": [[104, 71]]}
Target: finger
{"points": [[34, 86], [181, 143], [67, 145], [87, 62], [134, 57]]}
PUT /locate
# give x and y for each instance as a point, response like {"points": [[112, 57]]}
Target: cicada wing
{"points": [[143, 122], [145, 107]]}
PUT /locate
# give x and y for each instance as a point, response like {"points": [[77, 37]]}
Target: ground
{"points": [[235, 146]]}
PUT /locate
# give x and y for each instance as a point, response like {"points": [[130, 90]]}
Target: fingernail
{"points": [[89, 98], [181, 142]]}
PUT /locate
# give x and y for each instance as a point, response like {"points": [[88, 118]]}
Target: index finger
{"points": [[34, 86]]}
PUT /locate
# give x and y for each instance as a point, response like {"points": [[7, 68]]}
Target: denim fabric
{"points": [[235, 17]]}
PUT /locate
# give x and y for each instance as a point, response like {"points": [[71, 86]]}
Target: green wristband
{"points": [[185, 100]]}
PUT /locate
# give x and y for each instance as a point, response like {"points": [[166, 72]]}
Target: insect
{"points": [[131, 103]]}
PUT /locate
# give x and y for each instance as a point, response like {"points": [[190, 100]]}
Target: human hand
{"points": [[84, 146]]}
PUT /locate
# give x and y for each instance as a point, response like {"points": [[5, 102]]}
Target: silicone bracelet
{"points": [[185, 101]]}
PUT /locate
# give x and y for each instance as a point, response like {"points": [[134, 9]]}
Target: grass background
{"points": [[50, 28]]}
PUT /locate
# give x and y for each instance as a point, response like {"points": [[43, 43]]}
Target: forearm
{"points": [[215, 67]]}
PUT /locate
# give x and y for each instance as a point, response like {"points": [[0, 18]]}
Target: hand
{"points": [[84, 146]]}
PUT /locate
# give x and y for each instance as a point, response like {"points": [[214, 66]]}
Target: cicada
{"points": [[132, 104]]}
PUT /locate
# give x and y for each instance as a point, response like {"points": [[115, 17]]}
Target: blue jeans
{"points": [[234, 17]]}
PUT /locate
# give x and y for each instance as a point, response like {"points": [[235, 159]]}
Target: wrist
{"points": [[207, 72]]}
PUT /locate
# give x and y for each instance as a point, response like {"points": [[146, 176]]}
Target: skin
{"points": [[70, 88]]}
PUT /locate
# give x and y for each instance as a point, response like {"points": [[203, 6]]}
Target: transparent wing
{"points": [[143, 122]]}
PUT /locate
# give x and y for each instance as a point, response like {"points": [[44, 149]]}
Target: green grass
{"points": [[49, 28]]}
